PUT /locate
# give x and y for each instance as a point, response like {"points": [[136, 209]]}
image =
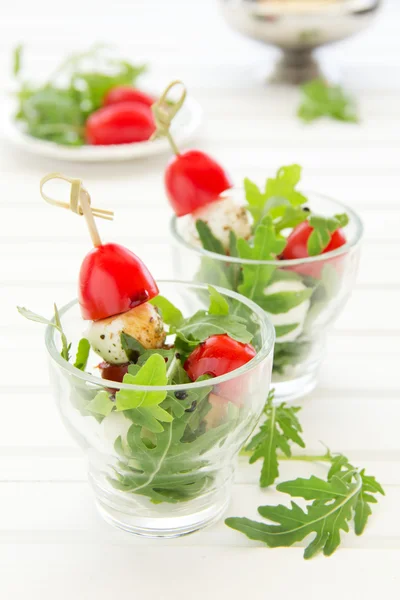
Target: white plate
{"points": [[183, 127]]}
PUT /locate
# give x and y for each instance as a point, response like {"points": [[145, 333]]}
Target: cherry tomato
{"points": [[218, 355], [122, 123], [193, 179], [296, 246], [113, 372], [126, 93], [113, 280]]}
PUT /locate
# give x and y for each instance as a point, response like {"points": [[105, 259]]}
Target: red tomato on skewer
{"points": [[113, 280], [194, 179]]}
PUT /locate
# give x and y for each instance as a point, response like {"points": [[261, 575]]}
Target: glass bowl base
{"points": [[168, 527], [293, 389]]}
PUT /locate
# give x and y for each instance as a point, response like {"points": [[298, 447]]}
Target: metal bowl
{"points": [[297, 27]]}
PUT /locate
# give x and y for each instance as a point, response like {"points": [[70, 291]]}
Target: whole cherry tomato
{"points": [[126, 93], [193, 179], [113, 280], [297, 248], [219, 354], [122, 123]]}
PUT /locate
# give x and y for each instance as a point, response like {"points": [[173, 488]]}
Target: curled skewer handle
{"points": [[164, 112], [80, 203]]}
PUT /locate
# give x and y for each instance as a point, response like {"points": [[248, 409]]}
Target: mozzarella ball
{"points": [[112, 427], [297, 314], [143, 323], [222, 217]]}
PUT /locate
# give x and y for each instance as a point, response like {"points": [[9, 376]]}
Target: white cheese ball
{"points": [[297, 314], [143, 323], [222, 217], [112, 427]]}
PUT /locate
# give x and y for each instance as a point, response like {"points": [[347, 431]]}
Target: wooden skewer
{"points": [[79, 204]]}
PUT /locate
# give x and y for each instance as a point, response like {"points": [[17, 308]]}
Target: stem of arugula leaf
{"points": [[296, 457]]}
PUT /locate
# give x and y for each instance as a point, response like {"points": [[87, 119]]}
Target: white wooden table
{"points": [[52, 542]]}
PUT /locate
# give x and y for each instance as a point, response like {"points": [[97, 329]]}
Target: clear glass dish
{"points": [[176, 481], [327, 278]]}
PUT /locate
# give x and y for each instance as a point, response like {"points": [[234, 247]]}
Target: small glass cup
{"points": [[177, 481], [327, 280]]}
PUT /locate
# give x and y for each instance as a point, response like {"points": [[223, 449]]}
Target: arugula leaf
{"points": [[320, 99], [322, 230], [255, 199], [218, 304], [56, 323], [150, 417], [346, 494], [202, 325], [281, 330], [266, 246], [208, 239], [326, 517], [289, 353], [342, 468], [170, 314], [284, 184], [291, 217], [153, 372], [282, 302], [133, 348], [17, 56], [82, 354], [281, 425], [101, 404]]}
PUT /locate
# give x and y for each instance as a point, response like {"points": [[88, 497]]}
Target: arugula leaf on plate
{"points": [[57, 110], [320, 99]]}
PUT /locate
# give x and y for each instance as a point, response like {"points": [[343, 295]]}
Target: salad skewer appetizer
{"points": [[287, 251], [173, 398]]}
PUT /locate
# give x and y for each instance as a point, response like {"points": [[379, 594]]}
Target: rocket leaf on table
{"points": [[344, 496], [280, 427], [327, 516], [320, 99]]}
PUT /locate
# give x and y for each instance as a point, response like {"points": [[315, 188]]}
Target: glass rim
{"points": [[266, 349], [347, 247]]}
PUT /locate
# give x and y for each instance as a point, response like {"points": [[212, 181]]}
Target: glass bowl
{"points": [[177, 480], [324, 282]]}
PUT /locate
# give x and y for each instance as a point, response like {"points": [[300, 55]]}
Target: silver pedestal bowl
{"points": [[298, 27]]}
